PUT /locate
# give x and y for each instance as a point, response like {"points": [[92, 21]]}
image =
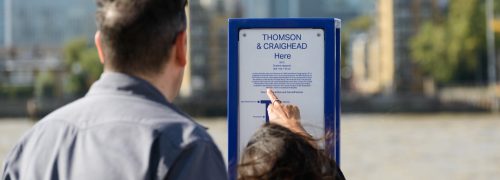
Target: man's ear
{"points": [[98, 45], [181, 49]]}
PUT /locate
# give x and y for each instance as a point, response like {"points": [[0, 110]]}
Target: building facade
{"points": [[398, 21], [369, 71], [207, 50], [2, 23], [342, 9], [32, 34], [199, 20], [46, 23]]}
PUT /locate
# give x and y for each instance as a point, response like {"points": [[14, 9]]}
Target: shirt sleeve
{"points": [[8, 171], [11, 166], [199, 160]]}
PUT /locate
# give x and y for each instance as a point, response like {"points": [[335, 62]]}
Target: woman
{"points": [[282, 149]]}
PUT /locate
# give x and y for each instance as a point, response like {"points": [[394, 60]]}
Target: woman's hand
{"points": [[284, 115]]}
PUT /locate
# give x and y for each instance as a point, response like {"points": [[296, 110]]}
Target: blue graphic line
{"points": [[266, 102]]}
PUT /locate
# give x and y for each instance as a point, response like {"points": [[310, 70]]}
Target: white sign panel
{"points": [[289, 61]]}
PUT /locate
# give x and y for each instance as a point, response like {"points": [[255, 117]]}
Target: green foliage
{"points": [[7, 91], [429, 48], [452, 50], [45, 85], [73, 49], [466, 28], [361, 23], [357, 25], [75, 85], [83, 62], [89, 60]]}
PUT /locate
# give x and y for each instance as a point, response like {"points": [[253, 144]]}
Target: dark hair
{"points": [[275, 152], [138, 34]]}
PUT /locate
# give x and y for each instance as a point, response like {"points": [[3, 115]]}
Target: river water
{"points": [[384, 146]]}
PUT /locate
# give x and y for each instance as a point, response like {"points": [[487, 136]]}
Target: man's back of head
{"points": [[137, 35]]}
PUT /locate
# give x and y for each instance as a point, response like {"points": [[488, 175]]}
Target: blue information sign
{"points": [[299, 58]]}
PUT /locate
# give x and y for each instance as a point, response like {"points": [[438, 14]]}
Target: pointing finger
{"points": [[272, 96]]}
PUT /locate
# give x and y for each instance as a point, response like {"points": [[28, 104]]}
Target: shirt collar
{"points": [[113, 82]]}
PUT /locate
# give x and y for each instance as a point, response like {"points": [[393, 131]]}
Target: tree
{"points": [[82, 61], [429, 49], [453, 50], [45, 85]]}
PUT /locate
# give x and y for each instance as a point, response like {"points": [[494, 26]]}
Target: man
{"points": [[125, 127]]}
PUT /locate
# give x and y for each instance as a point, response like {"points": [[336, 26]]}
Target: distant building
{"points": [[342, 9], [47, 23], [38, 30], [199, 44], [371, 74], [218, 53], [385, 35], [398, 21], [208, 49], [380, 58], [2, 23], [23, 72]]}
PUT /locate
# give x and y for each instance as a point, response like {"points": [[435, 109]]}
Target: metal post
{"points": [[490, 40]]}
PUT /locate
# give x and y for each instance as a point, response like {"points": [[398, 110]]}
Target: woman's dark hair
{"points": [[275, 152]]}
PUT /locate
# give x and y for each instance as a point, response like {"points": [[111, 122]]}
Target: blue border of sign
{"points": [[331, 27]]}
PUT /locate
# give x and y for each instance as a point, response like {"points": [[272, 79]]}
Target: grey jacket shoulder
{"points": [[103, 137], [95, 111], [122, 129]]}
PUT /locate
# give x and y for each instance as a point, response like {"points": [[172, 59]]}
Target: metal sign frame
{"points": [[331, 27]]}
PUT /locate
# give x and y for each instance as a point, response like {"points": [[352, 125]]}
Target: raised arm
{"points": [[285, 115]]}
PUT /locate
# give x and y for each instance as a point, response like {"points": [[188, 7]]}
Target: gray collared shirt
{"points": [[124, 128]]}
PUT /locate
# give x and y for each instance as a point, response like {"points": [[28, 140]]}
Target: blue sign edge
{"points": [[331, 27]]}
